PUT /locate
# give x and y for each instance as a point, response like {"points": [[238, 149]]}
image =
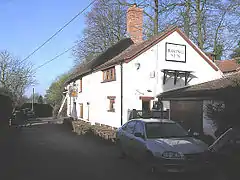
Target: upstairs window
{"points": [[109, 75], [80, 85]]}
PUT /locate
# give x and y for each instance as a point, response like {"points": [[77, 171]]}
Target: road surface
{"points": [[51, 151]]}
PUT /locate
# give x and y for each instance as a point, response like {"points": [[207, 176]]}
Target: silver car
{"points": [[162, 144]]}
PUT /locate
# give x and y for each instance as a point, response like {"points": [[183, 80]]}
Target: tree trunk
{"points": [[187, 18], [156, 17], [199, 24]]}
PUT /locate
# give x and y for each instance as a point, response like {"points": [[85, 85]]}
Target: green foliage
{"points": [[40, 100], [54, 93], [36, 97], [236, 53], [218, 51]]}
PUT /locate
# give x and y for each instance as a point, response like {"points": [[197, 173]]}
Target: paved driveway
{"points": [[50, 151]]}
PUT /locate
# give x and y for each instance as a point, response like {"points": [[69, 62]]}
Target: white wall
{"points": [[69, 102], [95, 92], [136, 83]]}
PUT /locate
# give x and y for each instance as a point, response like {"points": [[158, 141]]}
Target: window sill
{"points": [[108, 81], [111, 110]]}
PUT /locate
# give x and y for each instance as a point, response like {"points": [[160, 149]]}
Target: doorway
{"points": [[81, 110], [145, 107]]}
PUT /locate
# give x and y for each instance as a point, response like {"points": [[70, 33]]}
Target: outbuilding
{"points": [[208, 106]]}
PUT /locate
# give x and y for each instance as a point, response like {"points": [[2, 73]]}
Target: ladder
{"points": [[63, 102]]}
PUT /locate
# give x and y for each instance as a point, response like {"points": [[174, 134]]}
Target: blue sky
{"points": [[26, 24]]}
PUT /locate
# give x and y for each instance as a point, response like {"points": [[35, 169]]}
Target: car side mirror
{"points": [[138, 134], [190, 133]]}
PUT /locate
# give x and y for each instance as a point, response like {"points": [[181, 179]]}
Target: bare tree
{"points": [[15, 76], [105, 25], [211, 24]]}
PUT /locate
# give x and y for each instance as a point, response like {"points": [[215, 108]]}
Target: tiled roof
{"points": [[109, 54], [129, 52], [205, 89], [136, 48], [227, 66], [129, 49]]}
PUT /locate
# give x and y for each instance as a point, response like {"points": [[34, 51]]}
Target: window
{"points": [[80, 85], [111, 103], [139, 128], [109, 75], [130, 127], [164, 130]]}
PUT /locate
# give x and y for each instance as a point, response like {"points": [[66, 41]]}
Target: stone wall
{"points": [[99, 130]]}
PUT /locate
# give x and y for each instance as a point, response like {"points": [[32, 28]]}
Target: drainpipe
{"points": [[70, 99], [156, 74], [121, 71]]}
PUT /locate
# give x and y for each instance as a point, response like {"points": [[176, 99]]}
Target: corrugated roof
{"points": [[231, 81]]}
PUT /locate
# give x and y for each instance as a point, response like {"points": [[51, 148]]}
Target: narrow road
{"points": [[50, 151]]}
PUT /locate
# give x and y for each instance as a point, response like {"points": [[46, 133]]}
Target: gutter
{"points": [[121, 71]]}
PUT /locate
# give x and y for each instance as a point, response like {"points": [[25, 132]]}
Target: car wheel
{"points": [[122, 154]]}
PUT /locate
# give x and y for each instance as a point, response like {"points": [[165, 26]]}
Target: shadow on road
{"points": [[51, 151]]}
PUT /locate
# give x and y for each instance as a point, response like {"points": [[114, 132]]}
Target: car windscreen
{"points": [[164, 130]]}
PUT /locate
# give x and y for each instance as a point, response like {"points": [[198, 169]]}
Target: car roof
{"points": [[150, 120]]}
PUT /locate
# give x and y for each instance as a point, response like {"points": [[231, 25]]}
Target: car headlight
{"points": [[172, 155]]}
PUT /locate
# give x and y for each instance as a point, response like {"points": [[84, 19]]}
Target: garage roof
{"points": [[219, 88]]}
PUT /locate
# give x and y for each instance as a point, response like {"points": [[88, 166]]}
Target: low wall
{"points": [[82, 127]]}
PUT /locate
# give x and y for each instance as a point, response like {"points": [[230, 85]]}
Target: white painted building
{"points": [[109, 86]]}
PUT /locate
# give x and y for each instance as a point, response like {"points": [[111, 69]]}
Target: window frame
{"points": [[109, 74], [111, 107], [143, 128], [126, 128], [80, 85]]}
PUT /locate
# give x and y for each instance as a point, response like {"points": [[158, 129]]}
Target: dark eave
{"points": [[226, 87], [92, 65]]}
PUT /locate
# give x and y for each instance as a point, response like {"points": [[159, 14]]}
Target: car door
{"points": [[138, 144], [128, 136]]}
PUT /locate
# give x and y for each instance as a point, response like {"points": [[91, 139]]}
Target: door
{"points": [[145, 107], [81, 110], [139, 147], [128, 137], [74, 111]]}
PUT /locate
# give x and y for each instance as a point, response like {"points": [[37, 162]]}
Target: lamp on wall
{"points": [[137, 65]]}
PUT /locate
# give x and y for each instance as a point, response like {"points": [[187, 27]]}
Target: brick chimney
{"points": [[135, 23]]}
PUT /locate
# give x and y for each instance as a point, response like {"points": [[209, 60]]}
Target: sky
{"points": [[26, 24]]}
